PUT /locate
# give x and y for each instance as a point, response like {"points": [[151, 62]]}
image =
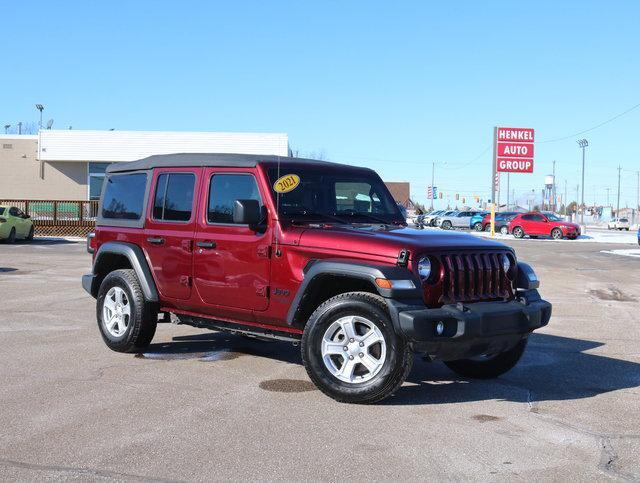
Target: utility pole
{"points": [[583, 143], [618, 203], [565, 197], [637, 195], [20, 127], [433, 177], [608, 189]]}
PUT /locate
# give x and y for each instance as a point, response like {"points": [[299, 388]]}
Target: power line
{"points": [[591, 128]]}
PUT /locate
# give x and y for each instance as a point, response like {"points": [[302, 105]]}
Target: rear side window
{"points": [[124, 196], [1, 211], [174, 197], [224, 190]]}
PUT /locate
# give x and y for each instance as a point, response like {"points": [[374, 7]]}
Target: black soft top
{"points": [[214, 159]]}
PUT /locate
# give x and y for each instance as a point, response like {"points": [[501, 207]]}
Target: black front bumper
{"points": [[471, 329]]}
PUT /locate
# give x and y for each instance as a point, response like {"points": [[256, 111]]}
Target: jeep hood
{"points": [[387, 240]]}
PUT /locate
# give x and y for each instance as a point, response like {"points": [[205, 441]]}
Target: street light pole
{"points": [[583, 143], [40, 108], [433, 177]]}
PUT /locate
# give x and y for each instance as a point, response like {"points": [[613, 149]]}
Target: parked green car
{"points": [[14, 224]]}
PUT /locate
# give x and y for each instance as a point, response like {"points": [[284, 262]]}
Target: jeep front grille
{"points": [[473, 277]]}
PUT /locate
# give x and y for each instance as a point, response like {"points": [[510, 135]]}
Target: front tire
{"points": [[556, 234], [31, 233], [477, 226], [376, 360], [446, 225], [489, 367], [12, 236], [126, 321]]}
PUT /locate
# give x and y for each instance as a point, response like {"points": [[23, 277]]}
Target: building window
{"points": [[95, 179]]}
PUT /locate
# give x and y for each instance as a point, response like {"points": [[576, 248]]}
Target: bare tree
{"points": [[27, 128]]}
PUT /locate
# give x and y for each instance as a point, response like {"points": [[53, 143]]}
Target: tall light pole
{"points": [[583, 143], [608, 189], [433, 177], [6, 128], [40, 108]]}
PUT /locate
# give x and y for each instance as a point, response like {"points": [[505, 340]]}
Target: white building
{"points": [[70, 165]]}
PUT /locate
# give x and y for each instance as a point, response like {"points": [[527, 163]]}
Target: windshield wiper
{"points": [[368, 217], [322, 216]]}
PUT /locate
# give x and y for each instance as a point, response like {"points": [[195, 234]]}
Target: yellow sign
{"points": [[286, 183]]}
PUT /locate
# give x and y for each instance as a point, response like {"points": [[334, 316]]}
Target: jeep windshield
{"points": [[340, 196]]}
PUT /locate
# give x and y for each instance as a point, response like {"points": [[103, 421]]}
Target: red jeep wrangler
{"points": [[303, 250]]}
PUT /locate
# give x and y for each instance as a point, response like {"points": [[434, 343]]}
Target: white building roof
{"points": [[110, 146]]}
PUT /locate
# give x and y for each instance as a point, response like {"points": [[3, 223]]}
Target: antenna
{"points": [[49, 123], [278, 225]]}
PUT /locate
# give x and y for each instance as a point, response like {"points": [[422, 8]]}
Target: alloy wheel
{"points": [[353, 349], [116, 312]]}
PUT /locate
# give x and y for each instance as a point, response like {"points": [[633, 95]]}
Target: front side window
{"points": [[174, 197], [124, 196], [224, 190]]}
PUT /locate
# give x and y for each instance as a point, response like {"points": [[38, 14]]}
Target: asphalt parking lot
{"points": [[200, 405]]}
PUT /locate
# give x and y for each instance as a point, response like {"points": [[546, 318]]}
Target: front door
{"points": [[231, 261], [170, 228]]}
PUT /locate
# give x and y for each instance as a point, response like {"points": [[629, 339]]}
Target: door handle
{"points": [[206, 244], [156, 240]]}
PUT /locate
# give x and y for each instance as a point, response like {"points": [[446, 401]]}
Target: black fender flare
{"points": [[361, 270], [138, 263]]}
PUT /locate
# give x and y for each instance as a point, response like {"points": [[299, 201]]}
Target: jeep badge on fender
{"points": [[320, 256]]}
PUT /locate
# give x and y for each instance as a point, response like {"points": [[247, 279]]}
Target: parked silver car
{"points": [[430, 218], [459, 219], [447, 214]]}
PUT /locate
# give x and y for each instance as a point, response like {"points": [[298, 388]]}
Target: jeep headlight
{"points": [[424, 268], [506, 263]]}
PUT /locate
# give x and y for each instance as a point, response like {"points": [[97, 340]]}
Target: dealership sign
{"points": [[513, 149]]}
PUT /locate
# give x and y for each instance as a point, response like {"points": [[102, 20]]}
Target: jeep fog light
{"points": [[439, 327], [424, 268]]}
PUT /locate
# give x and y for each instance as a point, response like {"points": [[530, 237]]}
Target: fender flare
{"points": [[138, 263], [316, 269]]}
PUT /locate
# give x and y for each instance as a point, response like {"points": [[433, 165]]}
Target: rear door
{"points": [[170, 229], [231, 261]]}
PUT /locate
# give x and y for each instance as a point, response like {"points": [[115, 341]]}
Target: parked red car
{"points": [[541, 224]]}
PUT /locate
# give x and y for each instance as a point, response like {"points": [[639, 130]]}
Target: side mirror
{"points": [[247, 212]]}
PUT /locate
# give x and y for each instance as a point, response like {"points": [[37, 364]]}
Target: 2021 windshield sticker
{"points": [[286, 183]]}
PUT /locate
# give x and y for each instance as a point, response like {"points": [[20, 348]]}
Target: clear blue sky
{"points": [[390, 85]]}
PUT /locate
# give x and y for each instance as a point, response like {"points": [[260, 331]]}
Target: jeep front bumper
{"points": [[465, 330]]}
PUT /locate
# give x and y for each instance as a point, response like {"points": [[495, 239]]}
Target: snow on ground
{"points": [[633, 252], [592, 236]]}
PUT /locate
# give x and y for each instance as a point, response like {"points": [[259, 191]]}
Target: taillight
{"points": [[91, 242]]}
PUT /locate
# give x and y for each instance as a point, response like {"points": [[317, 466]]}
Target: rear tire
{"points": [[446, 225], [489, 368], [339, 373], [518, 232], [504, 230], [131, 322], [12, 236]]}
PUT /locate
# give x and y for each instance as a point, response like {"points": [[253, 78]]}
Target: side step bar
{"points": [[233, 328]]}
